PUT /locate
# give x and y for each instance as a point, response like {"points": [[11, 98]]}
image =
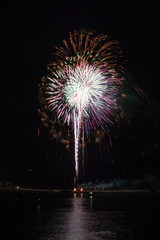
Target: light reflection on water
{"points": [[81, 217], [76, 220]]}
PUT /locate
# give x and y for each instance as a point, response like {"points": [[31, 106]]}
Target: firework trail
{"points": [[84, 83]]}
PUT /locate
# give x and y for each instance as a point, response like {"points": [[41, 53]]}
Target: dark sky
{"points": [[29, 33]]}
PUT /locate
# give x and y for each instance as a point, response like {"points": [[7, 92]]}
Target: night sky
{"points": [[29, 33]]}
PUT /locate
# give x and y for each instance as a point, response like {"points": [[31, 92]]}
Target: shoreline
{"points": [[79, 191]]}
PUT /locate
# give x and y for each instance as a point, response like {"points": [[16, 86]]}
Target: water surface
{"points": [[120, 216]]}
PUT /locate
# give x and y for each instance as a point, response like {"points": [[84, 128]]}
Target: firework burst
{"points": [[85, 90], [84, 84]]}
